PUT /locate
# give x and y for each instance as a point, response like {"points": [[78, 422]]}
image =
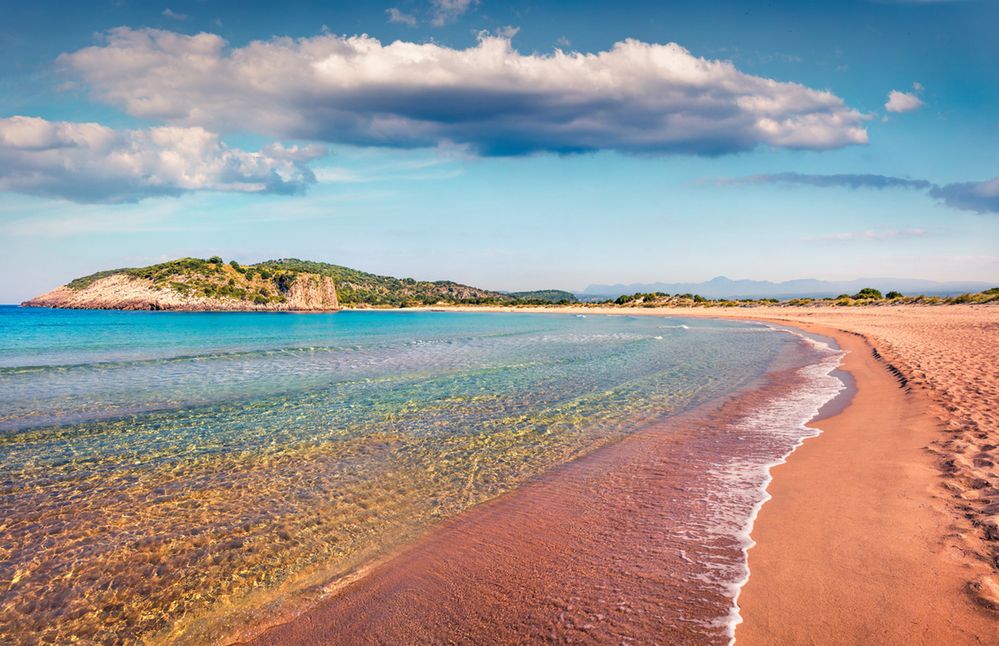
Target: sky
{"points": [[515, 145]]}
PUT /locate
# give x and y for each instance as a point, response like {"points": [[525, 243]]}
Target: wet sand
{"points": [[852, 547], [640, 538], [861, 543]]}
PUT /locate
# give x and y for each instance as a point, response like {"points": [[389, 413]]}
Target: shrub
{"points": [[215, 260], [868, 292], [893, 295]]}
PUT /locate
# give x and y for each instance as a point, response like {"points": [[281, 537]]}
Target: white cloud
{"points": [[173, 15], [88, 162], [337, 174], [507, 32], [445, 11], [902, 102], [395, 15], [636, 97]]}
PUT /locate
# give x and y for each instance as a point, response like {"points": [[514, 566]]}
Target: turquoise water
{"points": [[170, 475]]}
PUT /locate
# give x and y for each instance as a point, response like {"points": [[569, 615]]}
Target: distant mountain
{"points": [[722, 287]]}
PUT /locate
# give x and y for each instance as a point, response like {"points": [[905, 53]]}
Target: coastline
{"points": [[656, 521], [944, 357], [867, 552], [895, 513]]}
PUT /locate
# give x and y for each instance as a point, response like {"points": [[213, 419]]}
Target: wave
{"points": [[787, 419]]}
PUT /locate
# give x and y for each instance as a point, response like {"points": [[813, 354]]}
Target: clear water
{"points": [[167, 475]]}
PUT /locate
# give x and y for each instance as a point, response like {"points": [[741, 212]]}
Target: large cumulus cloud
{"points": [[636, 97], [88, 162]]}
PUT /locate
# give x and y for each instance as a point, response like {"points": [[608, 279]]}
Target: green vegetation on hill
{"points": [[270, 281], [541, 296], [86, 281], [214, 279], [659, 299], [361, 288]]}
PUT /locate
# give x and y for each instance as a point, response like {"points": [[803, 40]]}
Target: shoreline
{"points": [[883, 578], [838, 403], [546, 528], [760, 599], [934, 353]]}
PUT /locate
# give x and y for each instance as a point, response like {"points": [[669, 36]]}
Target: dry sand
{"points": [[883, 529], [857, 545], [948, 358]]}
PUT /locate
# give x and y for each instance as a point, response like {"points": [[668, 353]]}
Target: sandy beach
{"points": [[470, 322], [880, 530], [858, 544]]}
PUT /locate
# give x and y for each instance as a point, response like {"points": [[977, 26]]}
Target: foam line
{"points": [[805, 404]]}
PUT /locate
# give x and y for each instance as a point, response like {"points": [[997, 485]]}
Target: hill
{"points": [[356, 287], [275, 285]]}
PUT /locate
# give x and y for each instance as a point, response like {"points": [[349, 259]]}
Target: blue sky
{"points": [[762, 147]]}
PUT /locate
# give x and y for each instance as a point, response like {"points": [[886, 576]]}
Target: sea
{"points": [[170, 477]]}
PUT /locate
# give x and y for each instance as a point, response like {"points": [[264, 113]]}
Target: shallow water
{"points": [[167, 475]]}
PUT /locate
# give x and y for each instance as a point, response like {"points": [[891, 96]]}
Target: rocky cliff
{"points": [[196, 285]]}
